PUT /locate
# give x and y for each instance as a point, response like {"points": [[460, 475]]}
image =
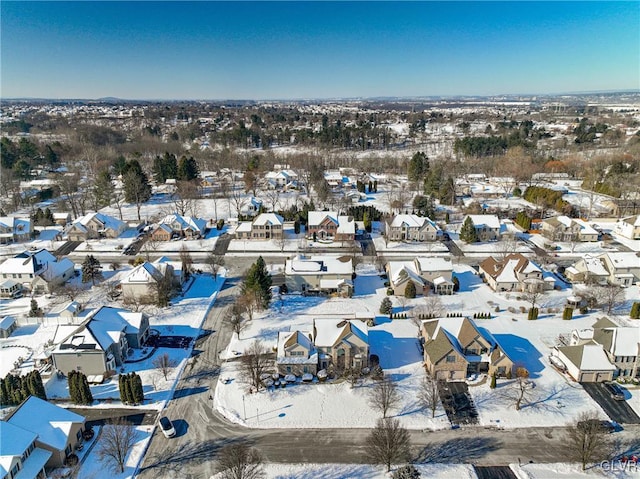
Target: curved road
{"points": [[202, 431]]}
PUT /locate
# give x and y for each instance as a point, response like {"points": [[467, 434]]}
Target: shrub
{"points": [[410, 290], [533, 314], [522, 309], [220, 224], [584, 310], [492, 385], [497, 309], [635, 311], [567, 314], [385, 306], [389, 292]]}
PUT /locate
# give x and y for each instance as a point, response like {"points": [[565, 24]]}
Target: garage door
{"points": [[600, 377], [442, 375], [588, 377]]}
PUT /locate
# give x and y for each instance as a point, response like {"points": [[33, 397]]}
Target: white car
{"points": [[166, 427]]}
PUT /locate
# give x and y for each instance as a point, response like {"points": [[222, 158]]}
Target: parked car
{"points": [[167, 427], [604, 426], [615, 391]]}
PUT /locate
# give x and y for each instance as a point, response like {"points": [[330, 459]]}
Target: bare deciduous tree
{"points": [[214, 262], [117, 438], [388, 443], [587, 440], [384, 396], [236, 320], [165, 364], [186, 262], [254, 362], [608, 296], [521, 387], [239, 461], [428, 395], [533, 296]]}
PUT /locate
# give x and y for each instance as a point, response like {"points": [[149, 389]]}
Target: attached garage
{"points": [[587, 363]]}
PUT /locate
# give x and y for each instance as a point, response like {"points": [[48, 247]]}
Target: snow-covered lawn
{"points": [[184, 318], [572, 471], [404, 248], [555, 399], [92, 468]]}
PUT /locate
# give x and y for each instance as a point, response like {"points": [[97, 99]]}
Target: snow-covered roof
{"points": [[108, 222], [412, 221], [72, 306], [400, 271], [587, 357], [332, 283], [244, 227], [52, 423], [55, 269], [488, 221], [319, 264], [36, 263], [316, 217], [624, 259], [6, 322], [287, 339], [632, 220], [346, 225], [592, 264], [329, 330], [434, 263], [185, 222], [143, 274], [268, 218], [14, 441], [626, 341]]}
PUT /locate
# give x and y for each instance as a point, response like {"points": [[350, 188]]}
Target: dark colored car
{"points": [[604, 426], [616, 391]]}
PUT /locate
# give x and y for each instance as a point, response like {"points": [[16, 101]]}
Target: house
{"points": [[10, 289], [62, 218], [8, 325], [101, 343], [182, 226], [58, 431], [162, 232], [586, 363], [623, 267], [621, 345], [320, 274], [143, 281], [20, 456], [265, 226], [411, 228], [514, 273], [15, 230], [628, 227], [563, 228], [94, 226], [488, 227], [341, 343], [588, 269], [426, 273], [454, 348], [37, 270], [328, 225], [69, 311], [253, 208], [282, 180], [296, 353]]}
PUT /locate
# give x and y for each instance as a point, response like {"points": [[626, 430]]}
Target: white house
{"points": [[20, 456], [37, 270], [585, 362], [95, 225], [319, 274], [15, 230], [488, 227], [629, 227], [141, 283], [411, 228]]}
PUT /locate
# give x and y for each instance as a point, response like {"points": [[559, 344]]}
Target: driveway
{"points": [[457, 403], [618, 411], [98, 416], [494, 472], [222, 245]]}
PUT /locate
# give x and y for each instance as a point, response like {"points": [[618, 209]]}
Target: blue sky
{"points": [[283, 50]]}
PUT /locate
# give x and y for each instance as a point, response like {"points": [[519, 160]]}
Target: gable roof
{"points": [[268, 218], [487, 221], [317, 217], [144, 273], [402, 271], [505, 270], [412, 221], [329, 332], [52, 423], [587, 357], [319, 264], [185, 222], [108, 222], [288, 339]]}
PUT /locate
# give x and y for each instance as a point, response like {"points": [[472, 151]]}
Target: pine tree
{"points": [[121, 381], [258, 281], [567, 314], [386, 306], [493, 381], [91, 269], [138, 392], [410, 290], [468, 231], [86, 395], [635, 311], [187, 169]]}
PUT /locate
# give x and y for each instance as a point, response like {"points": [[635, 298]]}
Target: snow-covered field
{"points": [[555, 399]]}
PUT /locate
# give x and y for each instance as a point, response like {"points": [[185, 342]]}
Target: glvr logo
{"points": [[625, 465]]}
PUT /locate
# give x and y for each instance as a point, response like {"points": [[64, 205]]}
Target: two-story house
{"points": [[488, 227], [101, 343], [143, 281], [514, 273], [296, 353], [58, 431], [563, 228], [411, 228], [623, 267], [265, 226], [328, 225], [94, 226], [426, 273], [588, 269], [20, 457], [454, 348], [179, 226], [629, 227], [341, 343], [15, 230], [321, 274], [37, 270]]}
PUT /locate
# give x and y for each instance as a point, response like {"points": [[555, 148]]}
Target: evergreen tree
{"points": [[410, 290], [417, 167], [121, 381], [493, 381], [85, 391], [103, 189], [468, 231], [258, 282], [138, 391], [165, 167], [635, 311], [91, 269], [187, 169], [386, 306]]}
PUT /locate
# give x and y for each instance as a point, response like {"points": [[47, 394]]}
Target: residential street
{"points": [[202, 431]]}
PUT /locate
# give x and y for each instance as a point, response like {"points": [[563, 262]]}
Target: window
{"points": [[79, 435], [67, 450], [451, 359]]}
